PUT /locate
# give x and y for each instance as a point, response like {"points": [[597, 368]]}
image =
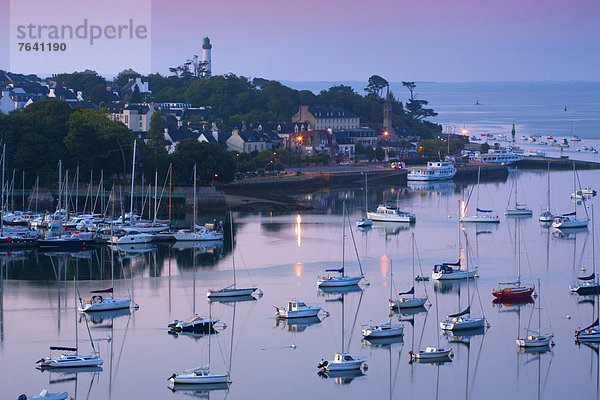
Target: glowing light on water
{"points": [[298, 269], [298, 230]]}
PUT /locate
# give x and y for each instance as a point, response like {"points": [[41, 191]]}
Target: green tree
{"points": [[124, 76], [156, 134], [379, 153], [417, 112], [411, 88], [376, 85], [136, 96], [214, 163], [80, 81], [98, 94]]}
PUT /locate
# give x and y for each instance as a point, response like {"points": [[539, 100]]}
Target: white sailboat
{"points": [[72, 359], [589, 285], [408, 302], [463, 319], [536, 337], [231, 290], [366, 221], [98, 303], [342, 361], [197, 233], [547, 215], [519, 210], [481, 215], [383, 329], [570, 220], [200, 375], [431, 353], [342, 279]]}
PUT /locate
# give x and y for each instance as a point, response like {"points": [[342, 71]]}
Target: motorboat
{"points": [[434, 171], [297, 309], [194, 324], [431, 353], [132, 237], [382, 330], [341, 362], [585, 192], [45, 395], [388, 213]]}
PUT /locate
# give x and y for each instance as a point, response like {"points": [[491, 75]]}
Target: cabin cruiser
{"points": [[434, 171], [386, 213]]}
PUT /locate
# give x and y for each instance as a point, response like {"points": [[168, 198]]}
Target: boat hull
{"points": [[338, 281], [383, 333], [105, 305], [433, 355], [513, 294], [518, 213], [193, 379], [391, 218], [571, 224], [212, 294], [463, 324], [538, 342], [299, 314], [409, 302], [70, 362], [461, 274], [593, 288], [480, 219], [344, 366], [590, 335]]}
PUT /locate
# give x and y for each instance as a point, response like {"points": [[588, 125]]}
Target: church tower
{"points": [[387, 113]]}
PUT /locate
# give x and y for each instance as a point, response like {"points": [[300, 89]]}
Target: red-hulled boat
{"points": [[515, 291]]}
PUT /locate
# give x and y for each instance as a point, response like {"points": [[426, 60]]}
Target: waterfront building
{"points": [[319, 118]]}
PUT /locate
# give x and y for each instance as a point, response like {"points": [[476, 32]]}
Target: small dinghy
{"points": [[431, 353]]}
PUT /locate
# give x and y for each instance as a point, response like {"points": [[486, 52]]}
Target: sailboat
{"points": [[431, 353], [519, 210], [231, 290], [536, 339], [194, 324], [463, 319], [453, 271], [546, 215], [412, 301], [201, 374], [75, 360], [481, 215], [591, 333], [588, 284], [383, 329], [196, 234], [570, 220], [342, 361], [514, 290], [342, 279], [366, 221], [98, 303]]}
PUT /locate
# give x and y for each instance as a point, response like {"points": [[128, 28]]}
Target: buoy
{"points": [[583, 269], [136, 306], [568, 317], [293, 346], [449, 216]]}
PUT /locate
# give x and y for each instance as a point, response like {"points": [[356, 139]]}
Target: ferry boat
{"points": [[434, 171], [500, 156]]}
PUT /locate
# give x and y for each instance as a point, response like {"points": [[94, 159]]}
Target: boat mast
{"points": [[155, 192], [467, 274], [575, 192], [132, 182], [343, 237], [412, 237], [2, 206], [366, 194], [518, 225], [477, 201], [59, 197], [516, 188], [75, 299], [594, 248], [232, 246], [548, 194], [76, 188], [194, 198]]}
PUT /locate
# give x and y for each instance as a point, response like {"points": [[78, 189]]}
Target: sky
{"points": [[335, 40]]}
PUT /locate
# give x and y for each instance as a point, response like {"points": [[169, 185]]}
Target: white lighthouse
{"points": [[206, 47]]}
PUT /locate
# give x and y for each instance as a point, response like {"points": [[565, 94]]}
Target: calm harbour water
{"points": [[283, 258]]}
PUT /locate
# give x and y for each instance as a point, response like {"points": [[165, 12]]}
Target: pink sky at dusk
{"points": [[436, 40]]}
